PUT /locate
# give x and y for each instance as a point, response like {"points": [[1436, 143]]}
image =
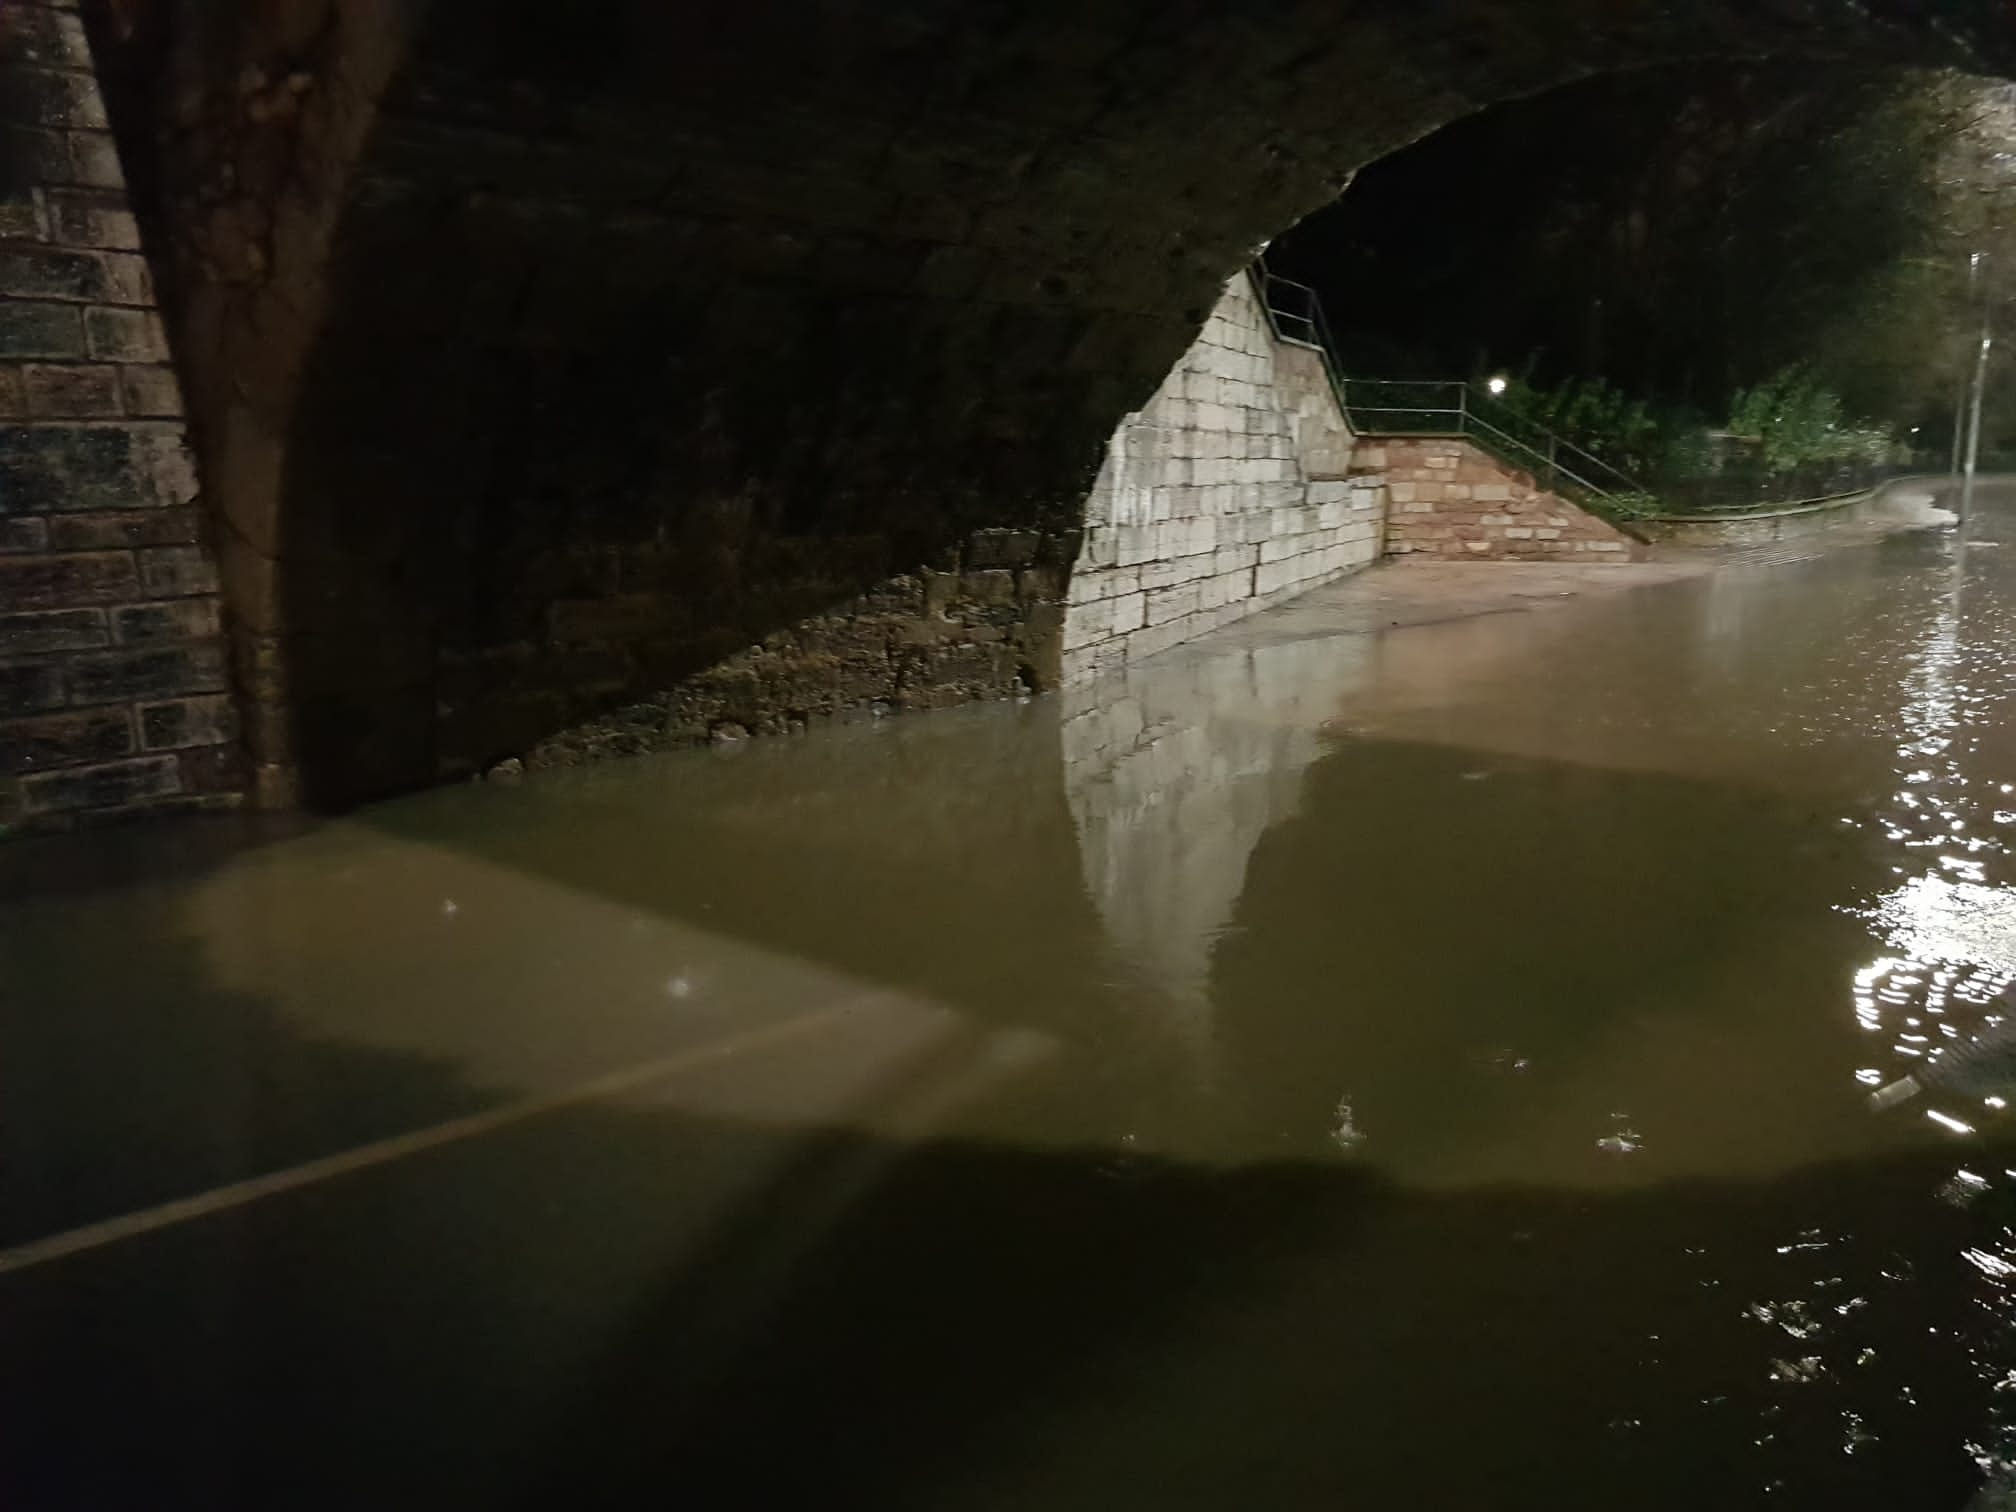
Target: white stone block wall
{"points": [[1223, 495]]}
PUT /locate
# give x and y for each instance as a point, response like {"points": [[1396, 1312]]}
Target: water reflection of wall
{"points": [[1173, 771]]}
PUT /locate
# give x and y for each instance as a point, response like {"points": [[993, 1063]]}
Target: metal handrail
{"points": [[1551, 462], [1294, 314], [1469, 413], [1754, 491], [1557, 457], [1306, 327], [1552, 465]]}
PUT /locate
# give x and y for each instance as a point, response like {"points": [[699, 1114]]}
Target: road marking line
{"points": [[257, 1188]]}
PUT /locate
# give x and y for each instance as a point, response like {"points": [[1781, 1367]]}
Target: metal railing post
{"points": [[1553, 445], [1463, 410]]}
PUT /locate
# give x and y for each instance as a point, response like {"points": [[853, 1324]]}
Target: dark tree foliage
{"points": [[1681, 232]]}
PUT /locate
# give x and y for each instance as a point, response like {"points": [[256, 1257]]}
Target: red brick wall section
{"points": [[113, 686], [1454, 501]]}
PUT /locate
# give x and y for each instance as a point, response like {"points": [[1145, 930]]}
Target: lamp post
{"points": [[1960, 389]]}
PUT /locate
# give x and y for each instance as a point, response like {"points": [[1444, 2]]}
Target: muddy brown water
{"points": [[1331, 1067]]}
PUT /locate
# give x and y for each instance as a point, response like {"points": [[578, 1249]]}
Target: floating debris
{"points": [[1622, 1140]]}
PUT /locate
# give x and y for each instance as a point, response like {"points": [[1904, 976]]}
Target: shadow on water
{"points": [[900, 862], [1528, 944], [996, 1329], [932, 855], [637, 1305], [498, 1324], [125, 1076]]}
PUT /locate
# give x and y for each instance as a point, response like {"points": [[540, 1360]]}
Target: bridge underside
{"points": [[542, 358]]}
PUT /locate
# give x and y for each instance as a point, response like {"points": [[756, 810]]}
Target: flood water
{"points": [[1420, 1069]]}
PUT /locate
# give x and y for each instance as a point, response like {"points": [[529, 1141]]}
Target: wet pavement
{"points": [[1413, 1050]]}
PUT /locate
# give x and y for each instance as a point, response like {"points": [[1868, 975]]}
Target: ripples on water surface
{"points": [[1420, 1070]]}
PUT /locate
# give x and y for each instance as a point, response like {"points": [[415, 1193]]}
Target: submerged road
{"points": [[1412, 1049]]}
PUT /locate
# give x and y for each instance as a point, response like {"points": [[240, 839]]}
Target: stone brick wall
{"points": [[989, 625], [1453, 500], [1224, 494], [113, 685]]}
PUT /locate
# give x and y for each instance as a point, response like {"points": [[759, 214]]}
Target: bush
{"points": [[1784, 435], [1797, 422], [1600, 419], [1632, 506]]}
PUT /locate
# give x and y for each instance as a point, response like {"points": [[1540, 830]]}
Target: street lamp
{"points": [[1960, 398], [1497, 387]]}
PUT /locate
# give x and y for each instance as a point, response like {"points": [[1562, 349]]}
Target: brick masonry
{"points": [[114, 697], [1454, 501], [1226, 493]]}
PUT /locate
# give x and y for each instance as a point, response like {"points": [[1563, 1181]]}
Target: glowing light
{"points": [[1990, 1264], [1949, 1122], [1497, 387]]}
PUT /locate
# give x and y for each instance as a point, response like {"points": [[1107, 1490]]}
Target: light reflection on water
{"points": [[1936, 1002]]}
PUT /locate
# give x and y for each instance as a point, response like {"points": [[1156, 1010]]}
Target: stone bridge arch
{"points": [[539, 358]]}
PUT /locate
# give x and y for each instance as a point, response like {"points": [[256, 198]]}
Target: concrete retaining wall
{"points": [[1755, 528], [1223, 495]]}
